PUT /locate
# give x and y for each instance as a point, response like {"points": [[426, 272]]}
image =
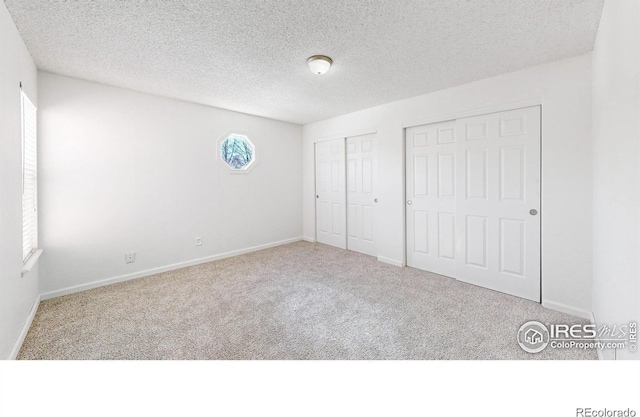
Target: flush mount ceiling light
{"points": [[319, 64]]}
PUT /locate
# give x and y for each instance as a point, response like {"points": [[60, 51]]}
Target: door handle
{"points": [[533, 212], [317, 196], [375, 200], [409, 202]]}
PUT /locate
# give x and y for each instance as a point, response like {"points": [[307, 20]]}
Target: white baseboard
{"points": [[25, 329], [308, 239], [390, 261], [153, 271], [563, 308]]}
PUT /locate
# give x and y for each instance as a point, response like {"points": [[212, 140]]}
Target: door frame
{"points": [[328, 138], [471, 113]]}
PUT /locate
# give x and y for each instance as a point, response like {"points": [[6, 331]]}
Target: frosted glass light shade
{"points": [[319, 64]]}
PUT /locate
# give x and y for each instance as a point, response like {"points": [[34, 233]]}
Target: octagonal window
{"points": [[237, 151]]}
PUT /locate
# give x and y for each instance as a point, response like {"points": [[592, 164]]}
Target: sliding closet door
{"points": [[473, 200], [362, 175], [431, 197], [331, 223], [497, 211]]}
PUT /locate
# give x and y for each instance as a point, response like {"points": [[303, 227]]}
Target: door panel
{"points": [[512, 247], [446, 235], [472, 183], [476, 241], [330, 193], [446, 175], [361, 187], [477, 185], [431, 197], [512, 173], [511, 143]]}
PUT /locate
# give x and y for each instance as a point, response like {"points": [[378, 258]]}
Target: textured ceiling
{"points": [[250, 56]]}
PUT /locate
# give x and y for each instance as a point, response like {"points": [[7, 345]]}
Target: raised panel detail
{"points": [[352, 220], [421, 231], [324, 216], [335, 149], [476, 238], [335, 176], [512, 126], [324, 176], [351, 147], [446, 235], [477, 173], [367, 223], [367, 145], [476, 131], [446, 175], [512, 173], [335, 218], [367, 175], [420, 139], [512, 247], [351, 175], [446, 136], [420, 175]]}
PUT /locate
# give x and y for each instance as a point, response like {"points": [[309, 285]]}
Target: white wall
{"points": [[616, 197], [17, 294], [564, 88], [124, 171]]}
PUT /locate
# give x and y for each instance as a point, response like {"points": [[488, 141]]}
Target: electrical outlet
{"points": [[198, 241], [130, 257]]}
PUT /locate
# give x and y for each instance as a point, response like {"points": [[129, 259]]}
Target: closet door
{"points": [[331, 223], [499, 201], [361, 194], [431, 195], [473, 200]]}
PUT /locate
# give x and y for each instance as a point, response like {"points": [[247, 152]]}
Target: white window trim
{"points": [[31, 262], [31, 259], [248, 136]]}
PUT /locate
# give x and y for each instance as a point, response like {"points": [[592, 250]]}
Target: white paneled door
{"points": [[331, 225], [473, 200], [361, 198], [431, 197]]}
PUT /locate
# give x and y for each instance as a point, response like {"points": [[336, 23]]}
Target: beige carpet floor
{"points": [[297, 301]]}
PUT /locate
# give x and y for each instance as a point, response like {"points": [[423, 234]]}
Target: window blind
{"points": [[29, 179]]}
